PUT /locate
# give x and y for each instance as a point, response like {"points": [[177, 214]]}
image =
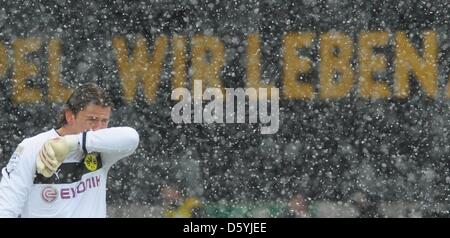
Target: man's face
{"points": [[92, 117]]}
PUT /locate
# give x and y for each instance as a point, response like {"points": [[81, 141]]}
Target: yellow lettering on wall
{"points": [[407, 59], [23, 70], [139, 67], [335, 54], [207, 60], [179, 62], [370, 63], [295, 65], [56, 91], [254, 64], [3, 60]]}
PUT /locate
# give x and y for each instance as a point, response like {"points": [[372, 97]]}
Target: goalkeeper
{"points": [[63, 172]]}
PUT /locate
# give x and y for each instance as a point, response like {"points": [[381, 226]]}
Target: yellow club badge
{"points": [[90, 161]]}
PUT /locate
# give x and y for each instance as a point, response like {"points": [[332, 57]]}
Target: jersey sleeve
{"points": [[16, 182], [112, 143]]}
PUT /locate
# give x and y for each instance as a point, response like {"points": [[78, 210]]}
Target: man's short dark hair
{"points": [[81, 97]]}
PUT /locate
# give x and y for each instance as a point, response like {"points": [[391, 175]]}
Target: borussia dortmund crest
{"points": [[90, 161]]}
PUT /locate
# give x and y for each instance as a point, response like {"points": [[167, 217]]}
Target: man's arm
{"points": [[17, 179], [112, 143]]}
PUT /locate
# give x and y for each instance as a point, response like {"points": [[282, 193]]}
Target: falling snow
{"points": [[344, 157]]}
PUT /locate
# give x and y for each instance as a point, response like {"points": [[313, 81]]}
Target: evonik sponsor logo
{"points": [[81, 187], [50, 193]]}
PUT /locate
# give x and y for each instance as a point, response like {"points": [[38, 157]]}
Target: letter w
{"points": [[138, 66]]}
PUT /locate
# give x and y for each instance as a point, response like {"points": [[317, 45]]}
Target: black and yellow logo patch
{"points": [[91, 161]]}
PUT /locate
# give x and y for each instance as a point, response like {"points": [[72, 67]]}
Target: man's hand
{"points": [[53, 153]]}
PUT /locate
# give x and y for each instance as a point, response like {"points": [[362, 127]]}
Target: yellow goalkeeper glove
{"points": [[53, 153]]}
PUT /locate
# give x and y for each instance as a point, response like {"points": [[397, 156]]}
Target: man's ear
{"points": [[70, 117]]}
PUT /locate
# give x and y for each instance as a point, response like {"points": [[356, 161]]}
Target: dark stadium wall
{"points": [[363, 88]]}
